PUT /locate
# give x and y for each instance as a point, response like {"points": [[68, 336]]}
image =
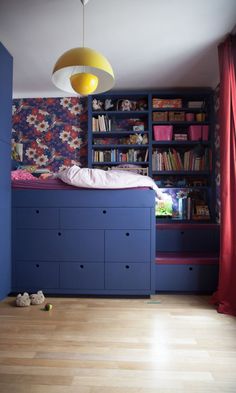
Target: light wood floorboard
{"points": [[166, 344]]}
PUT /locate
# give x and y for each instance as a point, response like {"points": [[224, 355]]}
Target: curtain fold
{"points": [[225, 296]]}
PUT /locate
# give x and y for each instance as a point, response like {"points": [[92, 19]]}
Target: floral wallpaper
{"points": [[53, 131]]}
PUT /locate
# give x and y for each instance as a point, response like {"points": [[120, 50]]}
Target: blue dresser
{"points": [[84, 241]]}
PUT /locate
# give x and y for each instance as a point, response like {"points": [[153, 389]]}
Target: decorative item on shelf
{"points": [[135, 139], [182, 197], [196, 104], [198, 132], [201, 212], [180, 137], [145, 139], [16, 151], [163, 133], [160, 116], [139, 127], [164, 208], [176, 116], [200, 116], [83, 70], [108, 104], [166, 103], [125, 105], [142, 105], [97, 105], [189, 116]]}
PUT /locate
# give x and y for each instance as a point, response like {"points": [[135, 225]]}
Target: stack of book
{"points": [[101, 123]]}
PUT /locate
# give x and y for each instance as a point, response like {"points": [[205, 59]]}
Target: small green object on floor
{"points": [[48, 307]]}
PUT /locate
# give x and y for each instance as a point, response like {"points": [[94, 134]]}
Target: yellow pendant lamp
{"points": [[83, 70]]}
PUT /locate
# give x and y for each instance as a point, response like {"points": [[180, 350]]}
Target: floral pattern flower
{"points": [[52, 131]]}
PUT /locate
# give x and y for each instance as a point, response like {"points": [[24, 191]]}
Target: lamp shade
{"points": [[83, 61]]}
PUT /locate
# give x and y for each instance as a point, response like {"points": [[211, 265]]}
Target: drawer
{"points": [[35, 217], [202, 278], [84, 275], [30, 276], [127, 276], [105, 218], [127, 245], [82, 245], [37, 244], [187, 240]]}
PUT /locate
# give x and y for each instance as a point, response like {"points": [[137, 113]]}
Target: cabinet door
{"points": [[127, 276], [127, 246], [105, 218], [37, 244], [82, 245], [83, 275], [186, 240], [186, 277], [36, 275], [36, 217]]}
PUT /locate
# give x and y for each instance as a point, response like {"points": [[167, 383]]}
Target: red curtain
{"points": [[225, 297]]}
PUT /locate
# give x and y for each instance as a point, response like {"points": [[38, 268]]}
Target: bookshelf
{"points": [[182, 151], [119, 131], [167, 134]]}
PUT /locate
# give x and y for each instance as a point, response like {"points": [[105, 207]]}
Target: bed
{"points": [[83, 241]]}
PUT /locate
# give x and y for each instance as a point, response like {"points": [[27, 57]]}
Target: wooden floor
{"points": [[166, 344]]}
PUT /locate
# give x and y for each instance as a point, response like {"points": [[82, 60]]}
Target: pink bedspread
{"points": [[52, 184], [49, 184]]}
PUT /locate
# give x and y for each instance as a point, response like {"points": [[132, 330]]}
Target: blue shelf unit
{"points": [[183, 160]]}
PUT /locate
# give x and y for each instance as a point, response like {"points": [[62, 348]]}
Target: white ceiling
{"points": [[150, 43]]}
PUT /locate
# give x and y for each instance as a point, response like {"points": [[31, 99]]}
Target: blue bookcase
{"points": [[177, 128], [167, 134]]}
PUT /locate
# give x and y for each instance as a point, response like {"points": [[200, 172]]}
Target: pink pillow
{"points": [[21, 174]]}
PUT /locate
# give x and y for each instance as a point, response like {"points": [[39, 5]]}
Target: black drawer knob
{"points": [[127, 266], [37, 265], [182, 232], [59, 233], [37, 211], [127, 234], [81, 266], [190, 268], [104, 211]]}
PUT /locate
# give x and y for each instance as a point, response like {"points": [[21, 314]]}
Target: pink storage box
{"points": [[163, 133], [198, 133]]}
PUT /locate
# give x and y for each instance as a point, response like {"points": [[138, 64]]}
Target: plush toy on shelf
{"points": [[108, 104], [135, 139], [97, 105]]}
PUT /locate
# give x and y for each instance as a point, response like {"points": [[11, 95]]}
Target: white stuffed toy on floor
{"points": [[37, 298], [23, 300]]}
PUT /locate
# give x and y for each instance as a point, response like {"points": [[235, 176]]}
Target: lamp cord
{"points": [[83, 25]]}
